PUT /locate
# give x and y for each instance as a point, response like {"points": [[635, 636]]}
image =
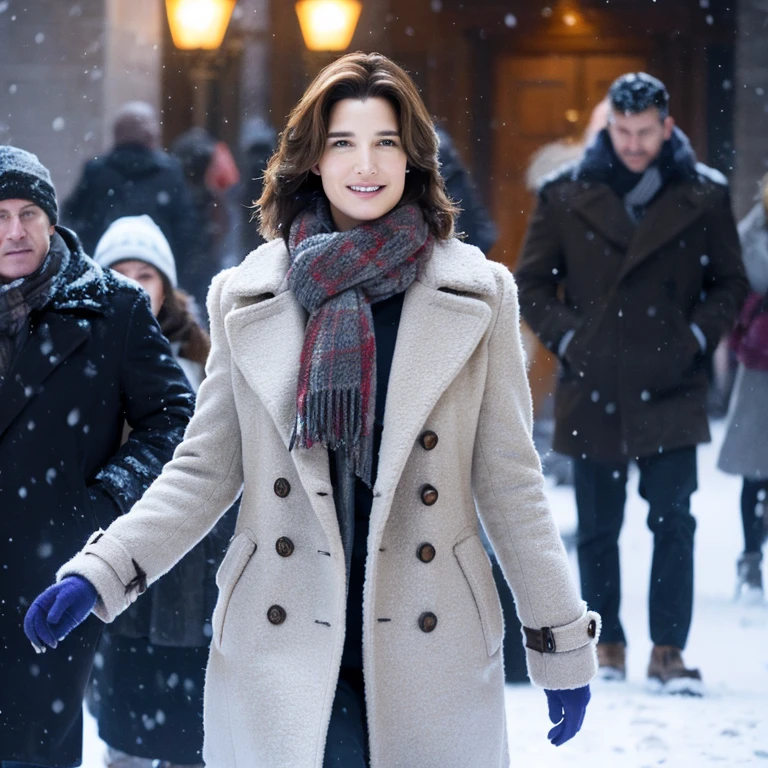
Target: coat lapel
{"points": [[52, 341], [667, 217], [602, 209], [439, 330], [266, 333]]}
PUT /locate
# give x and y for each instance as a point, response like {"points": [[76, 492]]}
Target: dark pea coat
{"points": [[634, 381], [94, 359]]}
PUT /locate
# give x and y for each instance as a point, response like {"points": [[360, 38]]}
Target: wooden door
{"points": [[541, 100]]}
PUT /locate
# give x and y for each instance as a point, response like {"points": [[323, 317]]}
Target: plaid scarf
{"points": [[336, 276], [20, 297]]}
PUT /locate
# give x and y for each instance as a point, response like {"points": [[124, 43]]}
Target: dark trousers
{"points": [[667, 481], [347, 743], [754, 495]]}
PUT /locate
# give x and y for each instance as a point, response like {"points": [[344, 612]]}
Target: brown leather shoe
{"points": [[612, 661], [667, 672]]}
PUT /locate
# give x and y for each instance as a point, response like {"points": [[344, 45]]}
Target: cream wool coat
{"points": [[434, 698]]}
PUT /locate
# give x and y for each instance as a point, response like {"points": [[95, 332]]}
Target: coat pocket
{"points": [[232, 566], [476, 567]]}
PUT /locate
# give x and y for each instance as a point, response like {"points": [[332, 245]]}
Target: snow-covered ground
{"points": [[626, 726]]}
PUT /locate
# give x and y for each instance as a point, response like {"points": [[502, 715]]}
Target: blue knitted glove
{"points": [[566, 709], [58, 610]]}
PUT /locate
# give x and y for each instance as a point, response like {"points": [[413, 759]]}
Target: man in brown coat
{"points": [[630, 273]]}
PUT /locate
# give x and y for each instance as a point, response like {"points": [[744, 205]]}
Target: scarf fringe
{"points": [[335, 419]]}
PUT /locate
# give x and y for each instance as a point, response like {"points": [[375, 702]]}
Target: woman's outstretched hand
{"points": [[566, 709], [58, 610]]}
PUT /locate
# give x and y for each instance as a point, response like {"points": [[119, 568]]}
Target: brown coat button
{"points": [[282, 487], [276, 614], [427, 621], [426, 553], [284, 546], [428, 440], [428, 495], [592, 628]]}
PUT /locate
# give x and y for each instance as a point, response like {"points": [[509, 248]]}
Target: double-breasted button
{"points": [[428, 440], [282, 487], [284, 546], [428, 495], [426, 553], [427, 621], [276, 614]]}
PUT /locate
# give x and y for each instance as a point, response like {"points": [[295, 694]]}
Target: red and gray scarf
{"points": [[336, 276]]}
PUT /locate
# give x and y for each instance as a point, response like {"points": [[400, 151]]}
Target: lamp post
{"points": [[327, 27], [199, 25]]}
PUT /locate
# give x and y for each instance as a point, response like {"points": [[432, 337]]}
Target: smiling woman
{"points": [[363, 166], [367, 392]]}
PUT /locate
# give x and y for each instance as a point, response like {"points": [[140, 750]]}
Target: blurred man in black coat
{"points": [[136, 177]]}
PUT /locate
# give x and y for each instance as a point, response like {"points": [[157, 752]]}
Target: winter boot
{"points": [[611, 661], [749, 578], [667, 673]]}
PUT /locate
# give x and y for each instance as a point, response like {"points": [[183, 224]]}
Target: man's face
{"points": [[637, 139], [25, 237]]}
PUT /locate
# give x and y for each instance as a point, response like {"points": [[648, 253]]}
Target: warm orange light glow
{"points": [[198, 24], [328, 25], [571, 19]]}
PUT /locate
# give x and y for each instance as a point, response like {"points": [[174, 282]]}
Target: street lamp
{"points": [[328, 25], [199, 25]]}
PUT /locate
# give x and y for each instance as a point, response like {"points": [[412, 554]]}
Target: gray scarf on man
{"points": [[21, 297], [638, 198]]}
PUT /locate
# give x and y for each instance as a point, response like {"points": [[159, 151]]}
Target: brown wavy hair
{"points": [[289, 184], [178, 323]]}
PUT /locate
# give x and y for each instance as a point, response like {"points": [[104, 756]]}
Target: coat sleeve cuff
{"points": [[570, 659], [115, 575]]}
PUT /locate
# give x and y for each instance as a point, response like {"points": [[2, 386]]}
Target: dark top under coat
{"points": [[386, 321]]}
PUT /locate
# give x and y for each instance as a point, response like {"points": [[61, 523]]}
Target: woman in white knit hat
{"points": [[152, 658]]}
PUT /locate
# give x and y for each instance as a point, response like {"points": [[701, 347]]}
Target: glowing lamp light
{"points": [[328, 25], [198, 24], [570, 19]]}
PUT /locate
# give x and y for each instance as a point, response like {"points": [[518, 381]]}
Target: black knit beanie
{"points": [[24, 177]]}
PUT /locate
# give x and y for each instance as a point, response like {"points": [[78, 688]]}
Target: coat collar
{"points": [[678, 205], [453, 266], [83, 284], [444, 317]]}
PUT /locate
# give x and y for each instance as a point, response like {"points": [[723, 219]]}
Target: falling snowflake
{"points": [[58, 124], [45, 550], [510, 20], [73, 417]]}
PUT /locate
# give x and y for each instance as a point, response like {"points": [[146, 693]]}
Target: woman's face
{"points": [[363, 166], [147, 277]]}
